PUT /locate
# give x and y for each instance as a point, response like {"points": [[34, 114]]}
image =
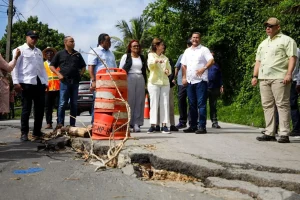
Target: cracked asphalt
{"points": [[229, 161]]}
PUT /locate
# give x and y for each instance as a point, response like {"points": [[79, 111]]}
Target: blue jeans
{"points": [[68, 91], [197, 95]]}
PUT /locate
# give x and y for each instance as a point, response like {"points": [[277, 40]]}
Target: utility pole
{"points": [[9, 28]]}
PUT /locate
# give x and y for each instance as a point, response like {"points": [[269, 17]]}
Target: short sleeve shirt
{"points": [[274, 55], [106, 55], [195, 58], [69, 64]]}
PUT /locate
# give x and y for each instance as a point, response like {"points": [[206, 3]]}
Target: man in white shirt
{"points": [[29, 77], [195, 62]]}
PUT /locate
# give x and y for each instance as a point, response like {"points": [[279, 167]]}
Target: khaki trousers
{"points": [[274, 92]]}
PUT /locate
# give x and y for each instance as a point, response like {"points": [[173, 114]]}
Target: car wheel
{"points": [[90, 112], [78, 112]]}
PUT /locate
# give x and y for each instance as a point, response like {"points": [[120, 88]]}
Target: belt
{"points": [[53, 78]]}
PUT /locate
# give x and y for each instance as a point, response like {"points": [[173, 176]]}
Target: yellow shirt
{"points": [[157, 70], [274, 55]]}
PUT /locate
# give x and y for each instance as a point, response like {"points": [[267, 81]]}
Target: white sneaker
{"points": [[136, 128]]}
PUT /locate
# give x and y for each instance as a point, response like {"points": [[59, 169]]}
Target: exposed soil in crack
{"points": [[203, 173], [148, 172]]}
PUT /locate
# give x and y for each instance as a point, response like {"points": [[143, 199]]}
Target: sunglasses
{"points": [[34, 37], [269, 26]]}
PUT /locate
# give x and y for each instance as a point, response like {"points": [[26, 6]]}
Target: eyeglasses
{"points": [[270, 26], [136, 46]]}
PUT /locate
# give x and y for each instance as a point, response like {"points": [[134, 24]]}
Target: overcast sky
{"points": [[82, 19]]}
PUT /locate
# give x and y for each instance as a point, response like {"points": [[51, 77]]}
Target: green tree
{"points": [[233, 29], [47, 37], [137, 29]]}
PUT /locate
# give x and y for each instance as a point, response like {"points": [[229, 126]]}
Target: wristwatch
{"points": [[93, 80], [255, 77]]}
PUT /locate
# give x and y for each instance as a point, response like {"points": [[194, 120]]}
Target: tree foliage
{"points": [[47, 37], [137, 29], [233, 29]]}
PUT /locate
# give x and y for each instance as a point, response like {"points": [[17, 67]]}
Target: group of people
{"points": [[42, 82], [198, 78]]}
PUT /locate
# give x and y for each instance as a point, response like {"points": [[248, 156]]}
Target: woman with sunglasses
{"points": [[135, 66], [158, 85]]}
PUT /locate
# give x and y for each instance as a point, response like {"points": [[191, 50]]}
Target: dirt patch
{"points": [[148, 172]]}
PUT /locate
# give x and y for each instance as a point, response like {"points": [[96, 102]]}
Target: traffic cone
{"points": [[147, 108]]}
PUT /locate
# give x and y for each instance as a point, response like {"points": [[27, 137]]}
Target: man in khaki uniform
{"points": [[275, 61]]}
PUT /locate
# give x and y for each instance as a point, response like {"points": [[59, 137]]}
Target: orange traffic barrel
{"points": [[120, 129], [102, 126], [111, 93], [103, 79], [109, 105]]}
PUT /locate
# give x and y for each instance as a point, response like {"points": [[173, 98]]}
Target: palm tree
{"points": [[138, 30]]}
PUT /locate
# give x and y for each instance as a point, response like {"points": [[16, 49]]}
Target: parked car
{"points": [[85, 97]]}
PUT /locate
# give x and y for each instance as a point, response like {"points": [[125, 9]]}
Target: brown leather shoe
{"points": [[49, 126]]}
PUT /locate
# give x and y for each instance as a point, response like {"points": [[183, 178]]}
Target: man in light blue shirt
{"points": [[95, 64]]}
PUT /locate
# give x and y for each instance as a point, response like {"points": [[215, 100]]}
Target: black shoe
{"points": [[173, 128], [215, 125], [180, 126], [266, 138], [157, 128], [283, 139], [190, 130], [295, 133], [201, 131], [165, 130], [24, 137], [151, 129]]}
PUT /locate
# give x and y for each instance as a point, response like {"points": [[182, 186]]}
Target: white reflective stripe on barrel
{"points": [[110, 84], [104, 105], [104, 94]]}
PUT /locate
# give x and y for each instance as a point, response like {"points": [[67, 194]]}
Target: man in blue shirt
{"points": [[182, 95], [95, 64], [215, 88]]}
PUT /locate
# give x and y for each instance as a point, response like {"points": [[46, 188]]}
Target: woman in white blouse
{"points": [[135, 66], [158, 85]]}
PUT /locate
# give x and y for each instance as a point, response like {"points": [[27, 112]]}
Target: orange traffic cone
{"points": [[147, 108]]}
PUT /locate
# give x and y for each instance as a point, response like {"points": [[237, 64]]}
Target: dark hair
{"points": [[66, 38], [101, 38], [155, 42], [196, 33], [129, 46]]}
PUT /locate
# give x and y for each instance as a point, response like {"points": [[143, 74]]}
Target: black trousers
{"points": [[182, 104], [213, 95], [35, 93], [11, 113], [51, 101]]}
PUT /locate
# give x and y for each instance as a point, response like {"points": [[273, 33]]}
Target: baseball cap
{"points": [[32, 33], [272, 21]]}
